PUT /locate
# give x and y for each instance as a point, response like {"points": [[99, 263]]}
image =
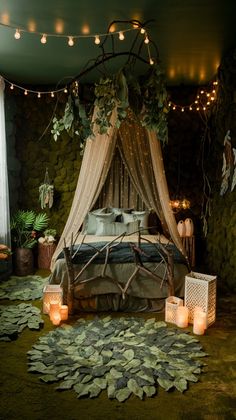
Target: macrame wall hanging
{"points": [[46, 191]]}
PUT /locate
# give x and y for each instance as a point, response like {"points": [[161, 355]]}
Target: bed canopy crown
{"points": [[128, 116]]}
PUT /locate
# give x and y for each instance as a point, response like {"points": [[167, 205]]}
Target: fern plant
{"points": [[25, 227]]}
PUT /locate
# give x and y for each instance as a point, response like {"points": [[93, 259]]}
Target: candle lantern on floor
{"points": [[172, 303], [182, 316], [51, 293], [54, 312], [64, 312], [200, 291], [199, 321]]}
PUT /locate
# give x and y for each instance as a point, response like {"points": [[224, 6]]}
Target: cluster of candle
{"points": [[57, 312], [180, 315], [199, 319]]}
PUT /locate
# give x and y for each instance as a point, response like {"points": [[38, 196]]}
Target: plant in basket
{"points": [[26, 226], [46, 248]]}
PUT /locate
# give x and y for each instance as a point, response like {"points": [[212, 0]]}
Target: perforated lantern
{"points": [[51, 293], [200, 291], [172, 303]]}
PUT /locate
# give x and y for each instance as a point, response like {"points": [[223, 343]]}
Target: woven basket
{"points": [[45, 253]]}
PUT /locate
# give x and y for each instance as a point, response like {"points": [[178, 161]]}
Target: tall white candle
{"points": [[182, 316], [64, 312], [199, 321]]}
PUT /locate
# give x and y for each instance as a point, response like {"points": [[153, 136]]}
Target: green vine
{"points": [[155, 105], [116, 92]]}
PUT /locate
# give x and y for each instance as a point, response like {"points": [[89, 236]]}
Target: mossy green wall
{"points": [[36, 153], [220, 257]]}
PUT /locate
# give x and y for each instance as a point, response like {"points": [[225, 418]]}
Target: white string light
{"points": [[17, 34], [203, 100], [19, 30], [97, 40], [121, 36], [43, 40], [70, 41]]}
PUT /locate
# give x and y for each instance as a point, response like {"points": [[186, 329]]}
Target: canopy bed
{"points": [[121, 184]]}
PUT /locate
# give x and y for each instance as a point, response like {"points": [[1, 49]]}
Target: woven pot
{"points": [[24, 262], [45, 253]]}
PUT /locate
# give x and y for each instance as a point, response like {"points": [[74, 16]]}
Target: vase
{"points": [[181, 228], [24, 261], [189, 228]]}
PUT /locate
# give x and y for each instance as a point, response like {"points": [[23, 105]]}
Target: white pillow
{"points": [[102, 219], [90, 223], [142, 216]]}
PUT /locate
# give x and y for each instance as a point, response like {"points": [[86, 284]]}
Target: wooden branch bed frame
{"points": [[74, 281]]}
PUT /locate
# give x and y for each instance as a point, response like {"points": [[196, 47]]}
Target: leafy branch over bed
{"points": [[117, 91]]}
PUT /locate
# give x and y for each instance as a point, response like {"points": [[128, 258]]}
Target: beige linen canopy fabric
{"points": [[141, 154]]}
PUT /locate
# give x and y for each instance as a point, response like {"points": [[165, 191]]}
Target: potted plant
{"points": [[46, 248], [26, 225]]}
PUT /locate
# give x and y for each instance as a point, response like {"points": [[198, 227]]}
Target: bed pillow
{"points": [[102, 219], [105, 228], [141, 216], [118, 212], [90, 223]]}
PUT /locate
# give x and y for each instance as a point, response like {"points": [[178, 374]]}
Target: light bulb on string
{"points": [[146, 40], [142, 30], [121, 36], [182, 109], [25, 92], [39, 95], [12, 86], [65, 90], [52, 94], [97, 40], [43, 40], [17, 34], [71, 41], [151, 62]]}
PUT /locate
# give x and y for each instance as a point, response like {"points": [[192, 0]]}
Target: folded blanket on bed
{"points": [[122, 253]]}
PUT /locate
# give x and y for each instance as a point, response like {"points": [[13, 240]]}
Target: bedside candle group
{"points": [[58, 313], [199, 319]]}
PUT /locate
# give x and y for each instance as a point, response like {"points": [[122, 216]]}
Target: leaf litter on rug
{"points": [[15, 318], [23, 288], [125, 356]]}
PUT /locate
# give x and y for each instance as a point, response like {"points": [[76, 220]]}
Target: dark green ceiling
{"points": [[191, 35]]}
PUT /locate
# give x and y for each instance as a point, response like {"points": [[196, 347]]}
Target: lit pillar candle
{"points": [[54, 313], [182, 317], [64, 312], [199, 321]]}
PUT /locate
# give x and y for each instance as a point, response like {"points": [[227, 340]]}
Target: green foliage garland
{"points": [[121, 91]]}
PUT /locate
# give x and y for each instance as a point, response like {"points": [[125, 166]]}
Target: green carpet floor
{"points": [[213, 397]]}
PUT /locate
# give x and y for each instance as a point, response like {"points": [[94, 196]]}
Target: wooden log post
{"points": [[70, 287]]}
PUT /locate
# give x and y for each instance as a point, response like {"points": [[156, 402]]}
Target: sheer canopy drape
{"points": [[5, 235], [141, 154], [96, 162]]}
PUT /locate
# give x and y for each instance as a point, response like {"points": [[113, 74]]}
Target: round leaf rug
{"points": [[123, 356], [23, 288]]}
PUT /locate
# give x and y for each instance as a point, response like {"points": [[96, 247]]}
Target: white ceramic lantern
{"points": [[51, 293]]}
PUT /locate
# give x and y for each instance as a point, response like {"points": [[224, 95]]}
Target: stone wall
{"points": [[220, 256], [36, 150]]}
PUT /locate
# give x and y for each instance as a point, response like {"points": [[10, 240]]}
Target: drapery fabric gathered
{"points": [[141, 154], [5, 233]]}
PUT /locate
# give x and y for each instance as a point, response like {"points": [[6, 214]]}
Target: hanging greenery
{"points": [[123, 90], [155, 105], [46, 192]]}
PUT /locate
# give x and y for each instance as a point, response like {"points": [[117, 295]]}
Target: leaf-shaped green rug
{"points": [[23, 288], [159, 356], [15, 318]]}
